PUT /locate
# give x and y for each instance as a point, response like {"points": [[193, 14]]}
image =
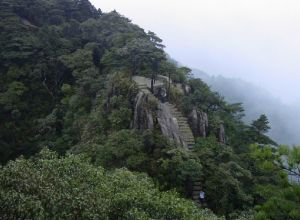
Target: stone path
{"points": [[184, 128], [144, 85]]}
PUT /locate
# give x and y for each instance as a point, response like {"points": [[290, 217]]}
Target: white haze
{"points": [[254, 40], [284, 119]]}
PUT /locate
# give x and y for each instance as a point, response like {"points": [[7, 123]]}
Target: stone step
{"points": [[196, 197], [197, 188], [183, 124], [190, 141], [186, 133], [181, 120], [186, 128], [179, 117], [188, 136]]}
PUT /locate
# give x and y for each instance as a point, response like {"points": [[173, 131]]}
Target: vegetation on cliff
{"points": [[65, 84]]}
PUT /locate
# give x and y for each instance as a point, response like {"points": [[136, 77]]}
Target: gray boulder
{"points": [[143, 118], [199, 123]]}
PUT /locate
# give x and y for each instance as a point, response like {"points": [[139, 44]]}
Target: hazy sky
{"points": [[255, 40]]}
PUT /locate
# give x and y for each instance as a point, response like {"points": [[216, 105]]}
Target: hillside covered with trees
{"points": [[75, 143]]}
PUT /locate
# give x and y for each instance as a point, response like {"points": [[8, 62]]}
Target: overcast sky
{"points": [[255, 40]]}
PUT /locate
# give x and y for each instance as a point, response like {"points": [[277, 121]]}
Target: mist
{"points": [[284, 119], [255, 41]]}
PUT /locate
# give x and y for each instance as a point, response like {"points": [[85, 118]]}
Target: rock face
{"points": [[222, 137], [199, 123], [169, 124], [172, 123], [143, 118], [182, 88]]}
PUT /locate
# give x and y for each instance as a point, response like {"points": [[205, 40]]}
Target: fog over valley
{"points": [[284, 119]]}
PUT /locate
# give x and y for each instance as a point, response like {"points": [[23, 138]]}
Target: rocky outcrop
{"points": [[143, 118], [221, 136], [199, 123], [186, 134], [172, 123], [169, 124]]}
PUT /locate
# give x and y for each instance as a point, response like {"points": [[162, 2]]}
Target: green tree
{"points": [[124, 148], [261, 124], [256, 132], [225, 180], [49, 187]]}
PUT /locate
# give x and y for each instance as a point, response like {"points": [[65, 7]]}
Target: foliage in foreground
{"points": [[49, 187]]}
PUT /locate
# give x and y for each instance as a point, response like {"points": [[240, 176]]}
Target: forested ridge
{"points": [[68, 145]]}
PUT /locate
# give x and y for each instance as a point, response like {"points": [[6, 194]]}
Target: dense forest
{"points": [[69, 147]]}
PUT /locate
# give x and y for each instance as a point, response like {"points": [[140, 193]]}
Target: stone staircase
{"points": [[189, 139], [197, 186], [184, 127]]}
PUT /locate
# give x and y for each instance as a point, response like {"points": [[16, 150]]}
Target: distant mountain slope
{"points": [[284, 120]]}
